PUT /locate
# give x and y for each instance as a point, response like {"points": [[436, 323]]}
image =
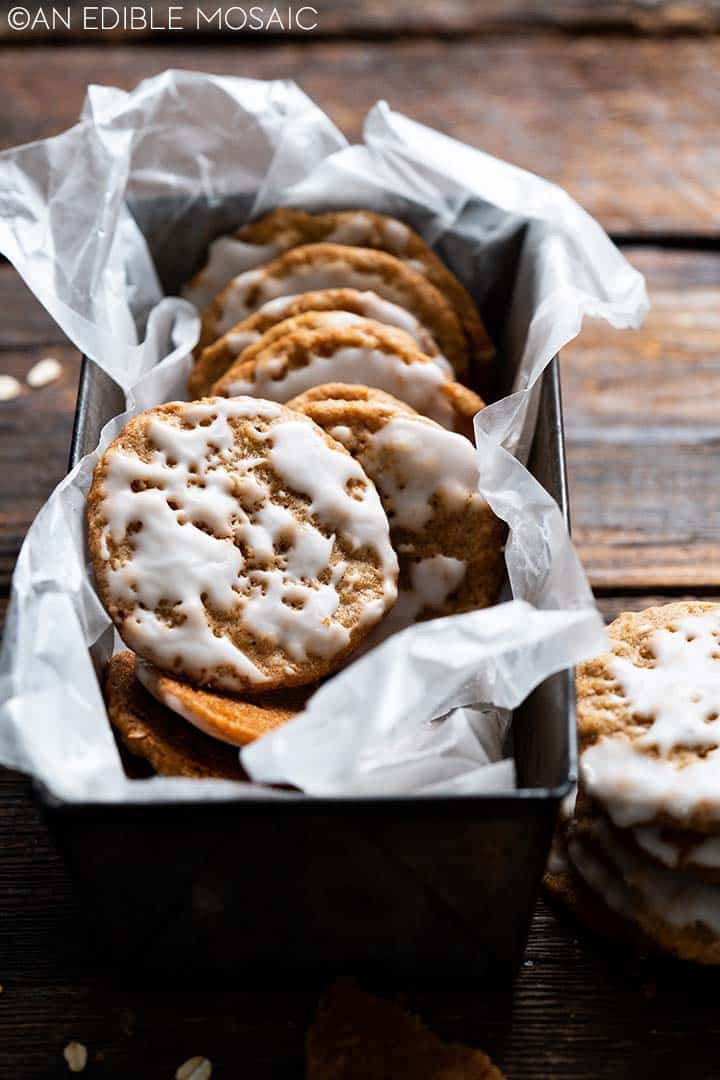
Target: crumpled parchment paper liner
{"points": [[103, 219]]}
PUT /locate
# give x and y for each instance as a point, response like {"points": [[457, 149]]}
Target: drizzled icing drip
{"points": [[639, 776], [421, 462], [418, 383], [205, 535]]}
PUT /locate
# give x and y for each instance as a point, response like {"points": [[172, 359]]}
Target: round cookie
{"points": [[680, 914], [364, 352], [612, 918], [154, 733], [236, 545], [649, 719], [332, 266], [691, 853], [449, 542], [282, 229], [215, 359], [233, 720]]}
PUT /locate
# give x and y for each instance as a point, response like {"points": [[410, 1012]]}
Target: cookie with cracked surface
{"points": [[227, 717], [151, 732], [236, 545], [449, 542], [364, 352], [283, 228], [649, 719], [357, 1036], [215, 359], [332, 266]]}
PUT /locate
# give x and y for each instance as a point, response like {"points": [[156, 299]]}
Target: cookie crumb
{"points": [[9, 387], [46, 371], [76, 1056], [196, 1068]]}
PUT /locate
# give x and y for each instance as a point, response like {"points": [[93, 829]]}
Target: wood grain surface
{"points": [[643, 434], [625, 120], [625, 124], [338, 18]]}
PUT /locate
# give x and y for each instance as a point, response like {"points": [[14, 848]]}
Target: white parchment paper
{"points": [[105, 223]]}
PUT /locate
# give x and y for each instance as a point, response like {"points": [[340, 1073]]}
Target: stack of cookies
{"points": [[638, 855], [318, 492]]}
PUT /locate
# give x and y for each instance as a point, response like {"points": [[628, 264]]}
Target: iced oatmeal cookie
{"points": [[236, 545], [215, 359], [363, 352], [449, 543]]}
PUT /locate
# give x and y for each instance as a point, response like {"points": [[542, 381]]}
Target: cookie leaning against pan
{"points": [[236, 545], [282, 229], [364, 352], [449, 542], [331, 266], [215, 359]]}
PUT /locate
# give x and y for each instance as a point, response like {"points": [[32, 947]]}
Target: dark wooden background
{"points": [[618, 102]]}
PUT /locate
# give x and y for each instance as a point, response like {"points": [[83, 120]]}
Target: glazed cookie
{"points": [[332, 266], [215, 359], [231, 719], [154, 733], [692, 853], [236, 545], [282, 229], [611, 918], [449, 542], [679, 914], [360, 1037], [364, 352], [649, 719]]}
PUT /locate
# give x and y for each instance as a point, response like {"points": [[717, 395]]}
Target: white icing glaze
{"points": [[678, 900], [601, 880], [238, 340], [195, 485], [434, 579], [227, 258], [418, 383], [681, 692], [332, 274], [309, 465], [396, 235], [650, 839], [705, 854], [372, 306], [355, 231], [422, 461]]}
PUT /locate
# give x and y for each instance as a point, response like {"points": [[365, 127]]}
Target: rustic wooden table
{"points": [[617, 102]]}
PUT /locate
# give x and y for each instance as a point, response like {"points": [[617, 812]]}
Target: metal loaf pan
{"points": [[399, 885]]}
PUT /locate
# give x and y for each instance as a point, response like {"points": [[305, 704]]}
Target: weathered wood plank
{"points": [[642, 432], [574, 997], [643, 435], [625, 130], [337, 18], [35, 427]]}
